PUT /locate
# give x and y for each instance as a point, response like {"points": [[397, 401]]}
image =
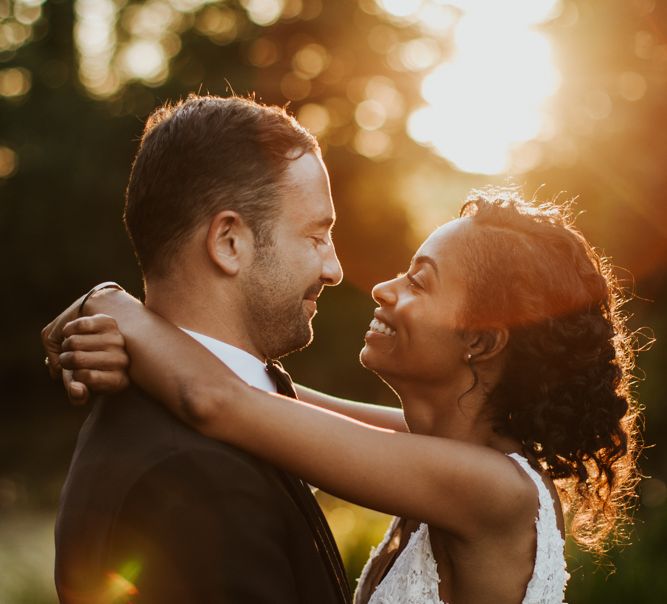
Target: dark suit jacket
{"points": [[154, 510]]}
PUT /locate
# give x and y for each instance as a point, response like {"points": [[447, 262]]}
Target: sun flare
{"points": [[491, 96]]}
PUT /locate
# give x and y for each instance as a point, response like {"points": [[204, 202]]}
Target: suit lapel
{"points": [[305, 501], [326, 545]]}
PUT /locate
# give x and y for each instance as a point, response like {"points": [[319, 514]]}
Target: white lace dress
{"points": [[413, 578]]}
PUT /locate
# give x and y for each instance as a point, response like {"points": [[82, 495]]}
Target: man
{"points": [[230, 213]]}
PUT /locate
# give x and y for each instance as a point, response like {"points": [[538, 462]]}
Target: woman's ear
{"points": [[487, 344], [229, 242]]}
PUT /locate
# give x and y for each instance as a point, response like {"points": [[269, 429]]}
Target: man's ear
{"points": [[229, 242], [487, 344]]}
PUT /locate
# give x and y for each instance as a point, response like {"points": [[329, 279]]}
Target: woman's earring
{"points": [[468, 357]]}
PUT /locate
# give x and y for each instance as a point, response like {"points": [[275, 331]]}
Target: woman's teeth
{"points": [[380, 327]]}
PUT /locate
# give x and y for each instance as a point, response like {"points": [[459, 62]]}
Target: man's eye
{"points": [[319, 240]]}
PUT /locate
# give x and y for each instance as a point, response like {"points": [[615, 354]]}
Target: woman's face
{"points": [[413, 336]]}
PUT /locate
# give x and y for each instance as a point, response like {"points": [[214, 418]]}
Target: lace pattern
{"points": [[550, 576], [414, 579]]}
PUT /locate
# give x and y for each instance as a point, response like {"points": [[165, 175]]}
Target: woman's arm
{"points": [[460, 487], [375, 415], [102, 366]]}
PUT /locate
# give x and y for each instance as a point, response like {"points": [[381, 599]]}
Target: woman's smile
{"points": [[378, 326]]}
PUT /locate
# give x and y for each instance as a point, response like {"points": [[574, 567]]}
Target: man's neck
{"points": [[194, 310]]}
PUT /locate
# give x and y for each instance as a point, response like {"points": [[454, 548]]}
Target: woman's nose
{"points": [[384, 293]]}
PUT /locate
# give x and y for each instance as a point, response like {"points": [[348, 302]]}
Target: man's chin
{"points": [[296, 344]]}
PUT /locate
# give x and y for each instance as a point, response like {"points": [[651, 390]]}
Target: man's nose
{"points": [[332, 272]]}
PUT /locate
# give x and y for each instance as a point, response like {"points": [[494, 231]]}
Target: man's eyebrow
{"points": [[323, 223], [426, 260]]}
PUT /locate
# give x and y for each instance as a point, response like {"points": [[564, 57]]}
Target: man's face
{"points": [[285, 279]]}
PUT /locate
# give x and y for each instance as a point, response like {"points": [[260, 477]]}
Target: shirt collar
{"points": [[248, 367]]}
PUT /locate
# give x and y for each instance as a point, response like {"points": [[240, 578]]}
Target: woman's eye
{"points": [[413, 281]]}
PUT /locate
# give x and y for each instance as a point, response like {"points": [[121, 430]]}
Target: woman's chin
{"points": [[370, 359], [366, 357]]}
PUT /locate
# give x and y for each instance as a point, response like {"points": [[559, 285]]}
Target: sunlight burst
{"points": [[491, 96]]}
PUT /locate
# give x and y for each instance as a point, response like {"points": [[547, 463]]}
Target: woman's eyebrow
{"points": [[426, 260]]}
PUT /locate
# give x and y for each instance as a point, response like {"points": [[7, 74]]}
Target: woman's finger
{"points": [[52, 349], [102, 381], [94, 342], [52, 336], [77, 393], [90, 325], [107, 360]]}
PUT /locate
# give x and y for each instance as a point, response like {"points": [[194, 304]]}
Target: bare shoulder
{"points": [[515, 492], [540, 475], [508, 497], [493, 494]]}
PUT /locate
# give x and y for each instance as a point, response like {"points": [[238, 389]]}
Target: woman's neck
{"points": [[445, 410]]}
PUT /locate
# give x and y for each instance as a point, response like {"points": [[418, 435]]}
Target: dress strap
{"points": [[543, 491], [549, 574]]}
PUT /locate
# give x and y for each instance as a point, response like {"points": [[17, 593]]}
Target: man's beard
{"points": [[274, 311]]}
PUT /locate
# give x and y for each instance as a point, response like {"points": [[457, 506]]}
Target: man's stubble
{"points": [[275, 313]]}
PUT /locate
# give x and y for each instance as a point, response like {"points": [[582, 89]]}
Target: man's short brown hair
{"points": [[204, 155]]}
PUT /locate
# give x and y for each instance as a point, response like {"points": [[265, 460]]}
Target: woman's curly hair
{"points": [[566, 388]]}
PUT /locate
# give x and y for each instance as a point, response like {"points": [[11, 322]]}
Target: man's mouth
{"points": [[313, 294], [378, 326]]}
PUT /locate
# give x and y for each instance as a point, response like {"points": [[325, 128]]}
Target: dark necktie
{"points": [[303, 497]]}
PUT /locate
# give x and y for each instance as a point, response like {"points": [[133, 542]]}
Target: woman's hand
{"points": [[94, 352]]}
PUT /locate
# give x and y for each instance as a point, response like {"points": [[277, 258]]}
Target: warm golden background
{"points": [[414, 102]]}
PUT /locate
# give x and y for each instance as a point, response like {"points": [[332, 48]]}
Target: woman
{"points": [[505, 344]]}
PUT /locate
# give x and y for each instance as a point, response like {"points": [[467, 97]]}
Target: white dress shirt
{"points": [[248, 367]]}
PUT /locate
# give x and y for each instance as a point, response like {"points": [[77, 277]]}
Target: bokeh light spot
{"points": [[292, 9], [370, 115], [342, 520], [263, 52], [310, 60], [143, 59], [419, 54], [374, 145], [400, 8], [15, 82], [13, 35], [383, 90], [27, 12], [8, 162], [438, 20], [219, 24], [631, 86], [263, 12], [314, 117]]}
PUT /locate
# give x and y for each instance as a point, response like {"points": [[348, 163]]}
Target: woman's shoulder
{"points": [[521, 493], [544, 486], [499, 495]]}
